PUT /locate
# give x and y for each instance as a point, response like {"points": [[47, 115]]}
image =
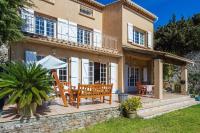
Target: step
{"points": [[164, 102], [165, 109]]}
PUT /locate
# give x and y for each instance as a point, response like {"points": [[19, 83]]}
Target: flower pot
{"points": [[131, 114], [122, 97], [33, 108], [28, 110]]}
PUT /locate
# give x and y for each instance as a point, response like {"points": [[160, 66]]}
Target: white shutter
{"points": [[97, 38], [130, 32], [73, 32], [55, 30], [85, 71], [74, 71], [114, 76], [63, 28], [145, 74], [28, 16], [30, 57], [150, 45]]}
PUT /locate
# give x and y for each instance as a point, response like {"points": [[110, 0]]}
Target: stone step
{"points": [[159, 110], [165, 102]]}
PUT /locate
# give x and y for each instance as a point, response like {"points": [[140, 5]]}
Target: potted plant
{"points": [[131, 105], [26, 85]]}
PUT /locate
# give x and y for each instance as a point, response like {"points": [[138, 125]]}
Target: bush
{"points": [[194, 84], [132, 104]]}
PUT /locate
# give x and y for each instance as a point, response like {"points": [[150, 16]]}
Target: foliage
{"points": [[194, 83], [181, 121], [168, 71], [179, 37], [132, 104], [25, 84], [10, 20]]}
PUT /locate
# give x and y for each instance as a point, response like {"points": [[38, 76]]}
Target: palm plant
{"points": [[25, 84]]}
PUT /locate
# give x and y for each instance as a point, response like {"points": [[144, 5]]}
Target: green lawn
{"points": [[182, 121]]}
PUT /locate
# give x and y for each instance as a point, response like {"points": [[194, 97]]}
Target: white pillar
{"points": [[158, 78], [184, 77]]}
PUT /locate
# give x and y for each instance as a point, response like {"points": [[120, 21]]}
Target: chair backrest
{"points": [[94, 89], [138, 85]]}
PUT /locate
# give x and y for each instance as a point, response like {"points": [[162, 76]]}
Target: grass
{"points": [[181, 121]]}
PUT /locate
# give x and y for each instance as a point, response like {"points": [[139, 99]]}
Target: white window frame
{"points": [[45, 20], [91, 72], [60, 70], [141, 36], [103, 73], [135, 76], [82, 36]]}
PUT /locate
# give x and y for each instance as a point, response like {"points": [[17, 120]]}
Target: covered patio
{"points": [[146, 66]]}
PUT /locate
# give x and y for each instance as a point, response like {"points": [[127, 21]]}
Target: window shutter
{"points": [[114, 76], [130, 32], [28, 16], [30, 57], [63, 28], [150, 45], [73, 32], [97, 38], [145, 74], [55, 30], [85, 71], [74, 71]]}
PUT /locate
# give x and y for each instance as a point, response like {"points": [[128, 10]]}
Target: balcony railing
{"points": [[47, 28]]}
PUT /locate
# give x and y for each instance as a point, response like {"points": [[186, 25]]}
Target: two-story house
{"points": [[99, 43]]}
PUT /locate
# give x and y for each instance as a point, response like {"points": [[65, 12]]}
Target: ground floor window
{"points": [[97, 73], [63, 72], [133, 76]]}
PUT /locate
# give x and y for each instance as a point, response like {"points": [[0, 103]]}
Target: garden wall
{"points": [[59, 123]]}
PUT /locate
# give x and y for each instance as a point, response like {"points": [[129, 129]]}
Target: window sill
{"points": [[50, 1], [86, 16], [139, 46]]}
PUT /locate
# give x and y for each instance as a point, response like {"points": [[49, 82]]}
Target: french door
{"points": [[133, 76]]}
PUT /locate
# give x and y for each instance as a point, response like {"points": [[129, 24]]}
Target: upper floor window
{"points": [[44, 26], [138, 37], [86, 11], [84, 36]]}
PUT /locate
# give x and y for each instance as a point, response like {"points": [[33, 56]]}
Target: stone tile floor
{"points": [[57, 108]]}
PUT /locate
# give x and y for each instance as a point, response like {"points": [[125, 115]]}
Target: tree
{"points": [[179, 37], [10, 20]]}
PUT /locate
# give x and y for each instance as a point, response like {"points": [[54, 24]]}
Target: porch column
{"points": [[158, 78], [184, 77]]}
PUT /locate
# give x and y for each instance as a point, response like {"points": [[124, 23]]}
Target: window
{"points": [[39, 57], [86, 11], [84, 36], [138, 37], [63, 72], [103, 73], [133, 76], [50, 27], [39, 25], [91, 72], [141, 38], [44, 26]]}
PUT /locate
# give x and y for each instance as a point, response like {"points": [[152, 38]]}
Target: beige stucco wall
{"points": [[112, 21], [130, 16], [69, 10]]}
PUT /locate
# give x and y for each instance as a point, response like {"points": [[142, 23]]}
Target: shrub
{"points": [[194, 83], [132, 104]]}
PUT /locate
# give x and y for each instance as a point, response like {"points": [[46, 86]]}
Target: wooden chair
{"points": [[141, 89]]}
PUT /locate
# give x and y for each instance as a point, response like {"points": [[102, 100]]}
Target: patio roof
{"points": [[167, 57]]}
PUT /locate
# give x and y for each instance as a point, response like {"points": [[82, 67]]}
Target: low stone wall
{"points": [[59, 123]]}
